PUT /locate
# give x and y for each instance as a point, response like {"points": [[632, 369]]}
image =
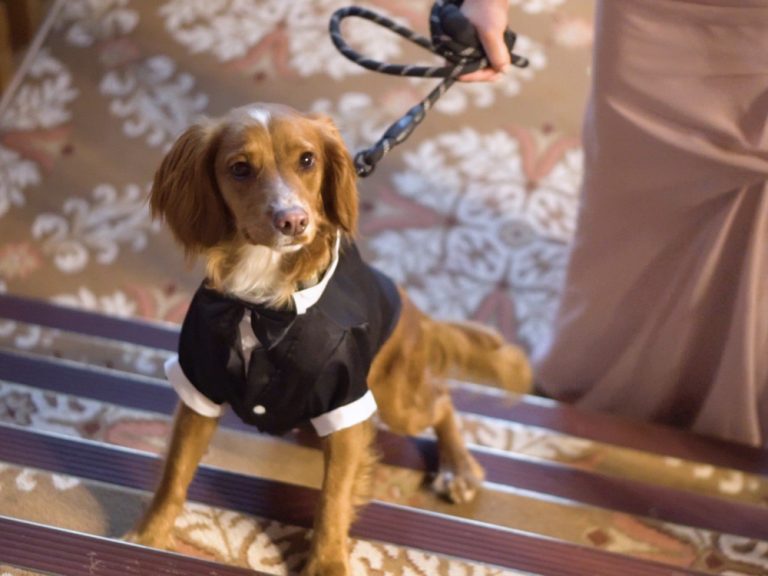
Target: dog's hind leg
{"points": [[349, 459], [191, 435]]}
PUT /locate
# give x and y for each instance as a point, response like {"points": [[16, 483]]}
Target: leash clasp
{"points": [[363, 168]]}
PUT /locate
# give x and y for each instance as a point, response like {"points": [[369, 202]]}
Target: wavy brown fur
{"points": [[229, 220]]}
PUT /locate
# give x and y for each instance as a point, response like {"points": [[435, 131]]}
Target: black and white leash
{"points": [[453, 38]]}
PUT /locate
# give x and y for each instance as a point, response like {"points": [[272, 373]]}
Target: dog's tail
{"points": [[475, 353]]}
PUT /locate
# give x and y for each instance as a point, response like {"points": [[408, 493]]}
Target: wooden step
{"points": [[294, 505]]}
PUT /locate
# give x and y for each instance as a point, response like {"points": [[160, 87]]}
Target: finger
{"points": [[495, 49], [483, 75]]}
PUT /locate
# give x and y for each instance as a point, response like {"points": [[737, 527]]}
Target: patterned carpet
{"points": [[473, 215], [486, 187]]}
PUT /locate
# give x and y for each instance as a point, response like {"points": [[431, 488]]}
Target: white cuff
{"points": [[345, 416], [191, 396]]}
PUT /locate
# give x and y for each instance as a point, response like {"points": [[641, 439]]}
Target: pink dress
{"points": [[664, 314]]}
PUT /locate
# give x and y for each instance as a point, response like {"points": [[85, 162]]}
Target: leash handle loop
{"points": [[383, 67], [453, 38]]}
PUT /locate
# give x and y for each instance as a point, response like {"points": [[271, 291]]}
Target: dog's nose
{"points": [[291, 222]]}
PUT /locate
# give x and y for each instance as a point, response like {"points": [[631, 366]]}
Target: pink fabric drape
{"points": [[665, 310]]}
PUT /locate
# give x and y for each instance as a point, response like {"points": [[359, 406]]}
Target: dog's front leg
{"points": [[348, 458], [191, 435]]}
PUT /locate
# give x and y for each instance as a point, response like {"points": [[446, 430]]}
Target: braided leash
{"points": [[453, 38]]}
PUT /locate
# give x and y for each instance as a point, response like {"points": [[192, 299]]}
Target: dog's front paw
{"points": [[459, 483], [316, 567]]}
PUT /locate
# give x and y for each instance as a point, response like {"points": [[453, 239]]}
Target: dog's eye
{"points": [[241, 170], [307, 160]]}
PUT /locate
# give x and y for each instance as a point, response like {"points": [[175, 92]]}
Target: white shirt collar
{"points": [[304, 299]]}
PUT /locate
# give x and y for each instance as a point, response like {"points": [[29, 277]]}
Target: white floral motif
{"points": [[116, 304], [699, 537], [228, 29], [426, 563], [27, 336], [573, 32], [728, 481], [154, 100], [359, 121], [621, 543], [736, 482], [91, 21], [15, 175], [113, 218], [41, 102], [504, 229], [147, 361], [63, 483], [703, 471], [233, 535], [521, 439], [313, 53], [736, 548], [365, 557], [27, 479], [752, 552], [263, 554]]}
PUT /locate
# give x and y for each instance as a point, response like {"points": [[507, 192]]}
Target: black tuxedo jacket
{"points": [[307, 364]]}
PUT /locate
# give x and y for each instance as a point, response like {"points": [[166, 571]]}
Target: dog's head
{"points": [[263, 175]]}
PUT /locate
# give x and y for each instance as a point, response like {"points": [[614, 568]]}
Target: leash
{"points": [[453, 38]]}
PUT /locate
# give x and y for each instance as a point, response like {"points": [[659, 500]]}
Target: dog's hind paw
{"points": [[461, 487]]}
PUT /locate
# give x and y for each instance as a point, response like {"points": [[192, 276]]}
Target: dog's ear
{"points": [[339, 178], [185, 194]]}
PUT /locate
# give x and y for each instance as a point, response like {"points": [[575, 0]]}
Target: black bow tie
{"points": [[270, 325]]}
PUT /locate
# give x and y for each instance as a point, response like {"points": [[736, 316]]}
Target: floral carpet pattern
{"points": [[486, 187], [474, 215]]}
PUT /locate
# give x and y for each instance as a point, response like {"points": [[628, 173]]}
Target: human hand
{"points": [[490, 18]]}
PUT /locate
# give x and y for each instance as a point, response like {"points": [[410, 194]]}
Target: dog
{"points": [[291, 327]]}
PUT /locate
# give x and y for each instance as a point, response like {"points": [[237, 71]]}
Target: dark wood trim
{"points": [[24, 17], [6, 50], [96, 383], [294, 505], [65, 553], [133, 331]]}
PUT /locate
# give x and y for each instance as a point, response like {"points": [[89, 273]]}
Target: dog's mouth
{"points": [[294, 247], [276, 241]]}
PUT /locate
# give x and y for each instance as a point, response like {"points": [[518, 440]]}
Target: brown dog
{"points": [[267, 196]]}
